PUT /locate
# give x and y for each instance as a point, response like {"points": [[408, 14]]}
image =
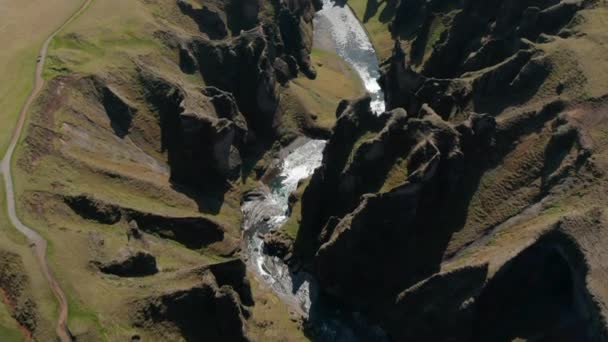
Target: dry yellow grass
{"points": [[24, 25]]}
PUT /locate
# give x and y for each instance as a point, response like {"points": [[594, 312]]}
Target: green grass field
{"points": [[9, 330], [24, 25], [375, 18], [335, 81]]}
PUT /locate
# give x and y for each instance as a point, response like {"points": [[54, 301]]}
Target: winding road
{"points": [[37, 242]]}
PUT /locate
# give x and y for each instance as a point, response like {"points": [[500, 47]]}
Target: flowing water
{"points": [[351, 42], [268, 208]]}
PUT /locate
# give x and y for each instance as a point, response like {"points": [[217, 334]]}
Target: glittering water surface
{"points": [[268, 209], [353, 45]]}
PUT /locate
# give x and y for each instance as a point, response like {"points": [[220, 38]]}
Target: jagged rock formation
{"points": [[201, 131], [445, 224], [219, 19], [214, 309], [243, 66], [153, 123], [487, 56], [413, 165], [547, 290], [278, 243], [370, 213], [250, 65]]}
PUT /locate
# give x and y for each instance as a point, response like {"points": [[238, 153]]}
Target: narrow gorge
{"points": [[308, 170], [266, 210]]}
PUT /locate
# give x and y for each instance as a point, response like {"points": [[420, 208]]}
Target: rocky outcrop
{"points": [[119, 111], [409, 165], [391, 205], [220, 19], [278, 243], [260, 55], [130, 263], [92, 209], [201, 132], [485, 58], [193, 232], [243, 66], [439, 222], [210, 21], [545, 289], [211, 310], [483, 33]]}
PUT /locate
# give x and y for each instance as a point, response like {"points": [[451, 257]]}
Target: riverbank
{"points": [[336, 31]]}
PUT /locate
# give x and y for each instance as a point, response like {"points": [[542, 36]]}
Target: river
{"points": [[268, 208]]}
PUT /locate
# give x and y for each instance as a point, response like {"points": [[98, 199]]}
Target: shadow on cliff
{"points": [[208, 202], [540, 294]]}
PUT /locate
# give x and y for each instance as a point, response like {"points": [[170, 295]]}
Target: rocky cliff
{"points": [[462, 214], [154, 122]]}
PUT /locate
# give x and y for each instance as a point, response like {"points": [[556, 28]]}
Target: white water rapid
{"points": [[268, 209]]}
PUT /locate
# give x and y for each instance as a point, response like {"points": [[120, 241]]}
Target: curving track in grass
{"points": [[37, 242]]}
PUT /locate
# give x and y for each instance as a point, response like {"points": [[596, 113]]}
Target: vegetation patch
{"points": [[376, 17], [396, 176], [292, 226]]}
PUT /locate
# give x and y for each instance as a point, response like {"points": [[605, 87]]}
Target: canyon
{"points": [[291, 170]]}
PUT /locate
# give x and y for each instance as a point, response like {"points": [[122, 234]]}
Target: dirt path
{"points": [[37, 242]]}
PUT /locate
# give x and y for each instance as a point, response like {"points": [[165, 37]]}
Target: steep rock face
{"points": [[409, 166], [211, 21], [193, 232], [202, 132], [266, 51], [547, 289], [385, 217], [91, 209], [211, 310], [119, 111], [295, 23], [481, 33], [243, 66], [443, 224], [245, 51], [219, 19], [485, 56]]}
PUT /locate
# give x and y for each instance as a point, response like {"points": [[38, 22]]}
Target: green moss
{"points": [[396, 176], [335, 81], [365, 136], [292, 226], [75, 53], [435, 31]]}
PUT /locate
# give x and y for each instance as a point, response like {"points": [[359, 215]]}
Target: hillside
{"points": [[472, 210], [169, 136], [155, 118]]}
